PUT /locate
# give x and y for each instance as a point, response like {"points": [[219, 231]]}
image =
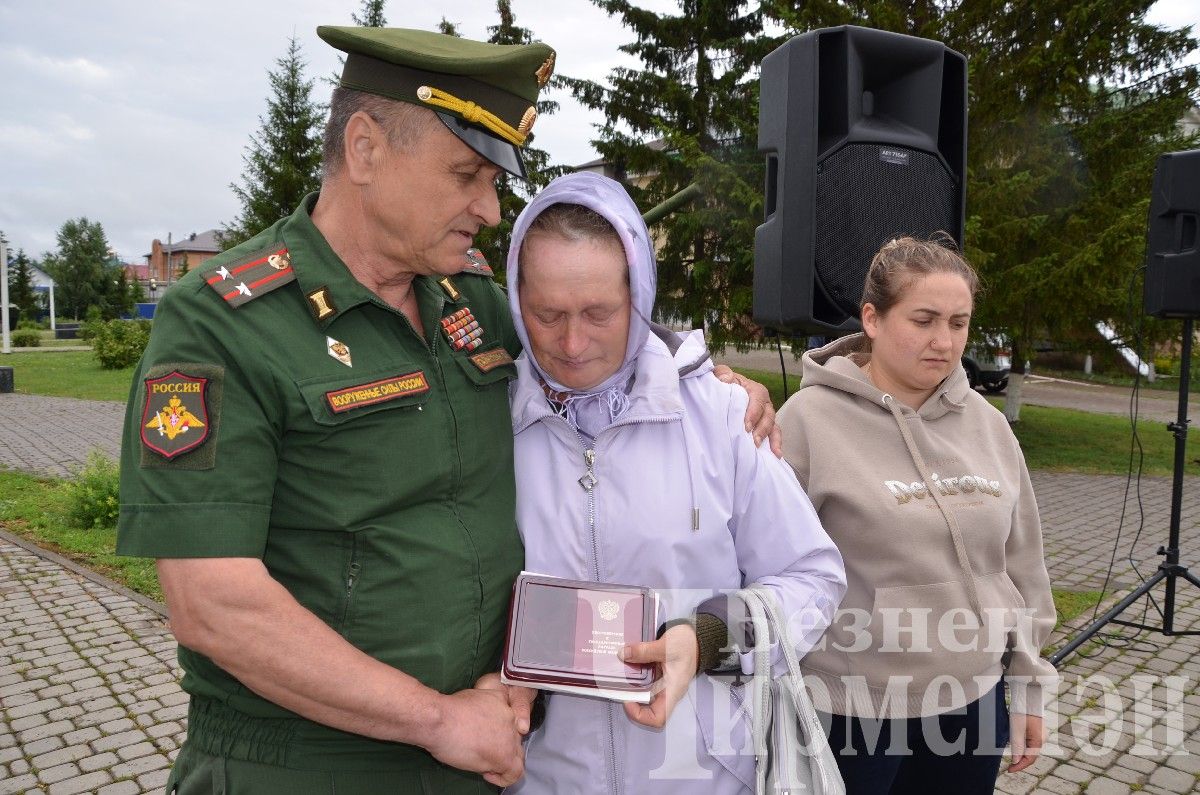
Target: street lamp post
{"points": [[153, 289]]}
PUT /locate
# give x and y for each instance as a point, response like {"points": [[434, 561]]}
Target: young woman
{"points": [[923, 487], [633, 467]]}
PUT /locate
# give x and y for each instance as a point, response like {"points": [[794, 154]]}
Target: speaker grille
{"points": [[868, 194]]}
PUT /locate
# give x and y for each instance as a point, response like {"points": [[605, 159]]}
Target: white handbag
{"points": [[790, 747]]}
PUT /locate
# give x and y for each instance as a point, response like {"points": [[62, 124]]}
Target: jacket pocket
{"points": [[724, 717], [930, 631], [483, 369], [339, 399]]}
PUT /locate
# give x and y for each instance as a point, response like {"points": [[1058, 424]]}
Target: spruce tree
{"points": [[371, 14], [515, 193], [283, 159], [689, 115], [20, 284]]}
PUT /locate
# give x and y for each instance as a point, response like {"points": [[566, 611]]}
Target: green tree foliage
{"points": [[20, 284], [690, 114], [371, 14], [515, 193], [1070, 104], [85, 272], [283, 159]]}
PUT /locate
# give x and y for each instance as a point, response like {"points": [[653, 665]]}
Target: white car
{"points": [[987, 365]]}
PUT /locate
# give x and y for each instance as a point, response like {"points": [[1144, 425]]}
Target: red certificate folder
{"points": [[564, 635]]}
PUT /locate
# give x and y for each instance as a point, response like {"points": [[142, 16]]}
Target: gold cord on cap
{"points": [[472, 113]]}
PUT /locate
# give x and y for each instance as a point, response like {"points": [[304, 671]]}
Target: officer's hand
{"points": [[478, 732], [760, 413], [677, 654], [519, 698]]}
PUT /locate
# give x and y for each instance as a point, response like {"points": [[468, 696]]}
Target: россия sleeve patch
{"points": [[199, 452]]}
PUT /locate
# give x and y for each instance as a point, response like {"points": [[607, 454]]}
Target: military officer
{"points": [[318, 449]]}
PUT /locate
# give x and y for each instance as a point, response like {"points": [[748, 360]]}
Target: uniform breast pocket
{"points": [[338, 400], [488, 368]]}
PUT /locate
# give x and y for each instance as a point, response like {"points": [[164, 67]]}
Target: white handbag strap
{"points": [[764, 613]]}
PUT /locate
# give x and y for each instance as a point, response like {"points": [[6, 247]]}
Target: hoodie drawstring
{"points": [[960, 548]]}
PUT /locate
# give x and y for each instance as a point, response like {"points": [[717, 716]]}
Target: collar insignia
{"points": [[321, 303], [449, 289]]}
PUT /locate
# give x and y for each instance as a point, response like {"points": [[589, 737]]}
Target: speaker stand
{"points": [[1170, 570]]}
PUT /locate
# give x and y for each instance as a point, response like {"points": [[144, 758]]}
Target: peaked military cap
{"points": [[485, 93]]}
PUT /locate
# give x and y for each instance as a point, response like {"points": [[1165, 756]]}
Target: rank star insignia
{"points": [[462, 330], [338, 350], [477, 263], [175, 419]]}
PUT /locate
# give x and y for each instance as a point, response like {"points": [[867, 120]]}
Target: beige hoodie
{"points": [[935, 517]]}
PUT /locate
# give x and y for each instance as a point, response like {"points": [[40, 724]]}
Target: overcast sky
{"points": [[136, 114]]}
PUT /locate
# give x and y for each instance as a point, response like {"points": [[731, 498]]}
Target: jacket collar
{"points": [[654, 395]]}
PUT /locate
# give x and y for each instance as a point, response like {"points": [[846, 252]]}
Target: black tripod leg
{"points": [[1099, 623]]}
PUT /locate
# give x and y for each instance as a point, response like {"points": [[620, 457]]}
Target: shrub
{"points": [[93, 495], [119, 343], [26, 338], [1164, 365], [92, 323]]}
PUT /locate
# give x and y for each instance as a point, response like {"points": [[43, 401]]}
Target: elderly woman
{"points": [[922, 485], [633, 467]]}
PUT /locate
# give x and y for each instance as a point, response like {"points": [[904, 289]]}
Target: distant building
{"points": [[1190, 123], [165, 262]]}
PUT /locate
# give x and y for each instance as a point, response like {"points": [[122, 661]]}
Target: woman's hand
{"points": [[520, 699], [1028, 733], [676, 653]]}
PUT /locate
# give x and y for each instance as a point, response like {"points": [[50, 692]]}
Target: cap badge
{"points": [[545, 71]]}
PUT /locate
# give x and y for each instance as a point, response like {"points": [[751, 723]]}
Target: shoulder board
{"points": [[252, 275], [477, 264]]}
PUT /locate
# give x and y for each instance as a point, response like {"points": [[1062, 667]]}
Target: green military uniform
{"points": [[283, 411], [373, 477]]}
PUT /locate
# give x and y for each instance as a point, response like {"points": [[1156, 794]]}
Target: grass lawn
{"points": [[1064, 440], [36, 508], [74, 374]]}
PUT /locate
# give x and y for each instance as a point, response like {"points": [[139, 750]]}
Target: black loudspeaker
{"points": [[1172, 255], [865, 134]]}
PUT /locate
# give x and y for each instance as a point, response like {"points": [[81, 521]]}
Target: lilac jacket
{"points": [[681, 501], [682, 444]]}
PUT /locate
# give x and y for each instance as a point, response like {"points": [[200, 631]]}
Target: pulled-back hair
{"points": [[573, 222], [403, 122], [902, 261]]}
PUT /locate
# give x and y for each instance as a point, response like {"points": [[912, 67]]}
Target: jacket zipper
{"points": [[588, 482]]}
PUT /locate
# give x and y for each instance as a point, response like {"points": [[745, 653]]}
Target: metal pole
{"points": [[167, 275], [1180, 430], [670, 205], [53, 321], [6, 343]]}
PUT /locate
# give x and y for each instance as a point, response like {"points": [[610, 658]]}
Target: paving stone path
{"points": [[89, 700]]}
